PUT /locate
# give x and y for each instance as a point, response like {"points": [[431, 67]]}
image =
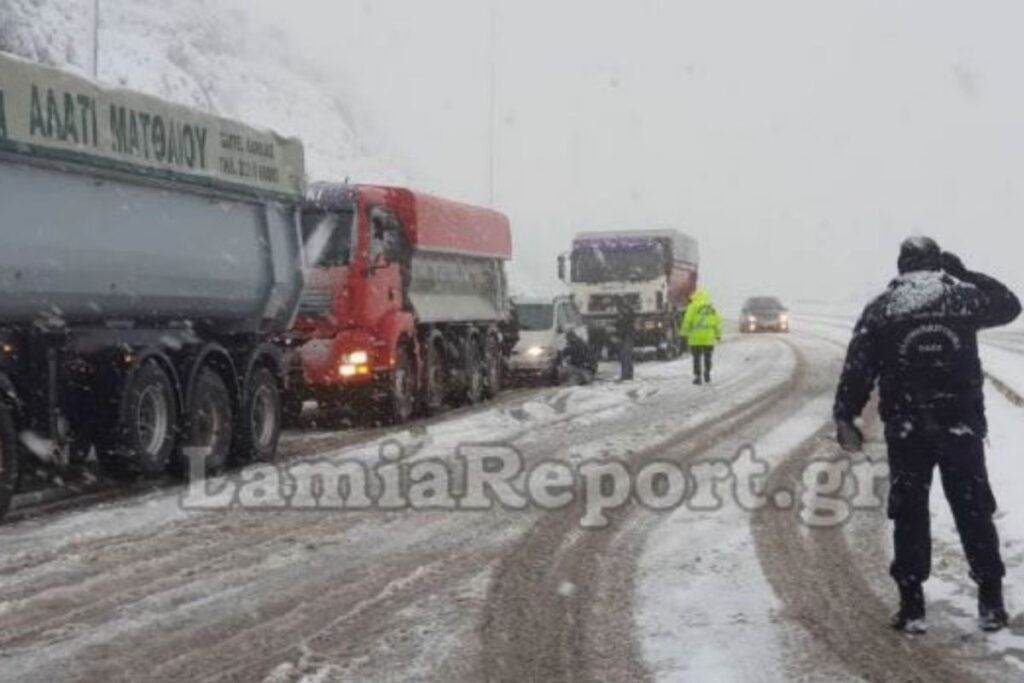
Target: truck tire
{"points": [[474, 372], [435, 386], [208, 423], [492, 366], [8, 458], [259, 425], [142, 441], [401, 389]]}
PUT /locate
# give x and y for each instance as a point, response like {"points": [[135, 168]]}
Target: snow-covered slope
{"points": [[209, 54]]}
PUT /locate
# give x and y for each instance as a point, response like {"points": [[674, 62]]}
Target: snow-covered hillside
{"points": [[209, 54]]}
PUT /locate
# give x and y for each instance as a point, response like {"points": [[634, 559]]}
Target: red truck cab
{"points": [[404, 302]]}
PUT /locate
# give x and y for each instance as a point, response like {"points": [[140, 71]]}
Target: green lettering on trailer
{"points": [[54, 125], [118, 130], [188, 143], [159, 138], [134, 146], [144, 120], [87, 112], [201, 142], [37, 124], [173, 145], [49, 113], [70, 119]]}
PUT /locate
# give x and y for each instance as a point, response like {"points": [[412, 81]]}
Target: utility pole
{"points": [[492, 128], [95, 39]]}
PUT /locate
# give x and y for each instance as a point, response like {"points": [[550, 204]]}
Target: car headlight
{"points": [[751, 319], [357, 358], [783, 318], [538, 351]]}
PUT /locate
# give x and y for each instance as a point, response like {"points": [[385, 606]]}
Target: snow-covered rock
{"points": [[209, 54]]}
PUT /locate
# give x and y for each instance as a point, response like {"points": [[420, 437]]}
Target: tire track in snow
{"points": [[818, 578], [560, 605], [127, 601]]}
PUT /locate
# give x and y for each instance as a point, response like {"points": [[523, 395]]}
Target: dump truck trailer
{"points": [[406, 308], [150, 254]]}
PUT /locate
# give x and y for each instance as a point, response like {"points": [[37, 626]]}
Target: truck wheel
{"points": [[436, 388], [474, 373], [260, 423], [143, 441], [8, 458], [401, 392], [208, 424], [492, 366]]}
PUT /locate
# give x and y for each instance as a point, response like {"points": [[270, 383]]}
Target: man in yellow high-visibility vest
{"points": [[702, 328]]}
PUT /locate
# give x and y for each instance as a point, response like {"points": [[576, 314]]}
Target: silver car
{"points": [[763, 314], [552, 341]]}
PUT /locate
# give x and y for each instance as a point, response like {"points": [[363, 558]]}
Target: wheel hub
{"points": [[152, 420], [264, 418]]}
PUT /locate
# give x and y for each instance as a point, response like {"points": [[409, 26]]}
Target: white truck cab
{"points": [[653, 271]]}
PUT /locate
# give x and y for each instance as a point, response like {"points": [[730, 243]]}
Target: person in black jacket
{"points": [[625, 327], [919, 341]]}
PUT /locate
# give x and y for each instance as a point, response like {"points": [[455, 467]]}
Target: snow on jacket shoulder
{"points": [[919, 341], [702, 326]]}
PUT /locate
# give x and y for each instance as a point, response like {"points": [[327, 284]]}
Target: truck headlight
{"points": [[347, 370], [354, 363], [357, 358]]}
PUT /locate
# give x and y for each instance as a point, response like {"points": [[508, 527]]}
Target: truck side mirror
{"points": [[561, 267]]}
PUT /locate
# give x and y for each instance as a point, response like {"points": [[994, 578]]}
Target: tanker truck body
{"points": [[149, 255], [654, 271], [405, 309]]}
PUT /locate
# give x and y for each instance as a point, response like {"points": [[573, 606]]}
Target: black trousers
{"points": [[626, 358], [960, 458], [702, 356]]}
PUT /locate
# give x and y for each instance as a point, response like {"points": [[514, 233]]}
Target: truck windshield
{"points": [[617, 261], [327, 236], [535, 317]]}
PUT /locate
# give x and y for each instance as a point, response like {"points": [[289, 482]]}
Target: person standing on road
{"points": [[625, 327], [702, 327], [918, 340]]}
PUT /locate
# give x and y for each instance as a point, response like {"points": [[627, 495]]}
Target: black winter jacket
{"points": [[919, 341]]}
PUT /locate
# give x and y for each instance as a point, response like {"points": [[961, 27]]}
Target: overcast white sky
{"points": [[799, 140]]}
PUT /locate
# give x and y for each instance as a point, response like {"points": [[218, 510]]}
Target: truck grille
{"points": [[315, 302], [600, 303]]}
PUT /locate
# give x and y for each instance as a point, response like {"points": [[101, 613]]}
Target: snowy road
{"points": [[143, 589]]}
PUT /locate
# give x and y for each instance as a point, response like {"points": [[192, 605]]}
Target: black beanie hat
{"points": [[919, 253]]}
